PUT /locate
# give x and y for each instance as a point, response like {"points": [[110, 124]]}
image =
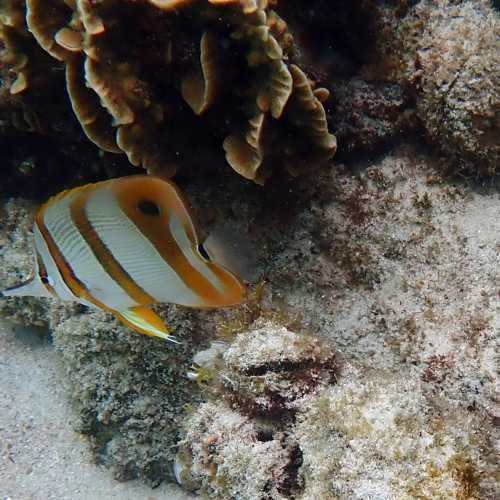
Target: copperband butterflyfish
{"points": [[122, 245]]}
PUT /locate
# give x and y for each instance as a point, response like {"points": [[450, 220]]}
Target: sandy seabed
{"points": [[41, 456]]}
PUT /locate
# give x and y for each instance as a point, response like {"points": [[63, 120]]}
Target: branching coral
{"points": [[157, 79]]}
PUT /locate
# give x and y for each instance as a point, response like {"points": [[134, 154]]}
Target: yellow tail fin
{"points": [[144, 320]]}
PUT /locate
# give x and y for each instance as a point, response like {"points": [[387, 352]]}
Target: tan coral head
{"points": [[127, 101]]}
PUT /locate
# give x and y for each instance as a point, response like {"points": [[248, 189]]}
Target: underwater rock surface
{"points": [[222, 449], [445, 55], [393, 268], [129, 395], [361, 439], [460, 104]]}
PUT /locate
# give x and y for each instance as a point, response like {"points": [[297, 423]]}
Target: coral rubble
{"points": [[266, 370]]}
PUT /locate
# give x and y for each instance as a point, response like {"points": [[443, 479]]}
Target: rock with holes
{"points": [[268, 370], [221, 449]]}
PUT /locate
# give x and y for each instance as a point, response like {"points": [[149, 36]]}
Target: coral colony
{"points": [[175, 69]]}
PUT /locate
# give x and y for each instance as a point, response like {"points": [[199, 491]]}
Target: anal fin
{"points": [[144, 320], [33, 288]]}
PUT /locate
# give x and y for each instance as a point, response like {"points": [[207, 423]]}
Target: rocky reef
{"points": [[363, 364], [222, 448], [446, 54], [383, 381], [409, 67], [388, 421], [460, 103], [129, 395]]}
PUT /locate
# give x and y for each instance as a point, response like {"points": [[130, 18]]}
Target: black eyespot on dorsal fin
{"points": [[148, 207]]}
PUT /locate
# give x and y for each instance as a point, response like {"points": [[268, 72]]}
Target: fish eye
{"points": [[148, 207], [203, 252]]}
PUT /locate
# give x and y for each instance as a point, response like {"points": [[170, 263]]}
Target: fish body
{"points": [[123, 245]]}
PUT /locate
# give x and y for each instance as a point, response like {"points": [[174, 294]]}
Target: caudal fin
{"points": [[144, 320]]}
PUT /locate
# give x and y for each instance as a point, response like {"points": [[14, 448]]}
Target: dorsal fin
{"points": [[67, 192]]}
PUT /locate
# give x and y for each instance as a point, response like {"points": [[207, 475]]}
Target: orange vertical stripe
{"points": [[77, 288], [103, 254], [156, 229]]}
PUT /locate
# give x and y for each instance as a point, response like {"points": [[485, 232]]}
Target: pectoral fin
{"points": [[146, 321]]}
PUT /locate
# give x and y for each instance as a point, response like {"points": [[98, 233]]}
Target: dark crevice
{"points": [[286, 366], [291, 485], [264, 436]]}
